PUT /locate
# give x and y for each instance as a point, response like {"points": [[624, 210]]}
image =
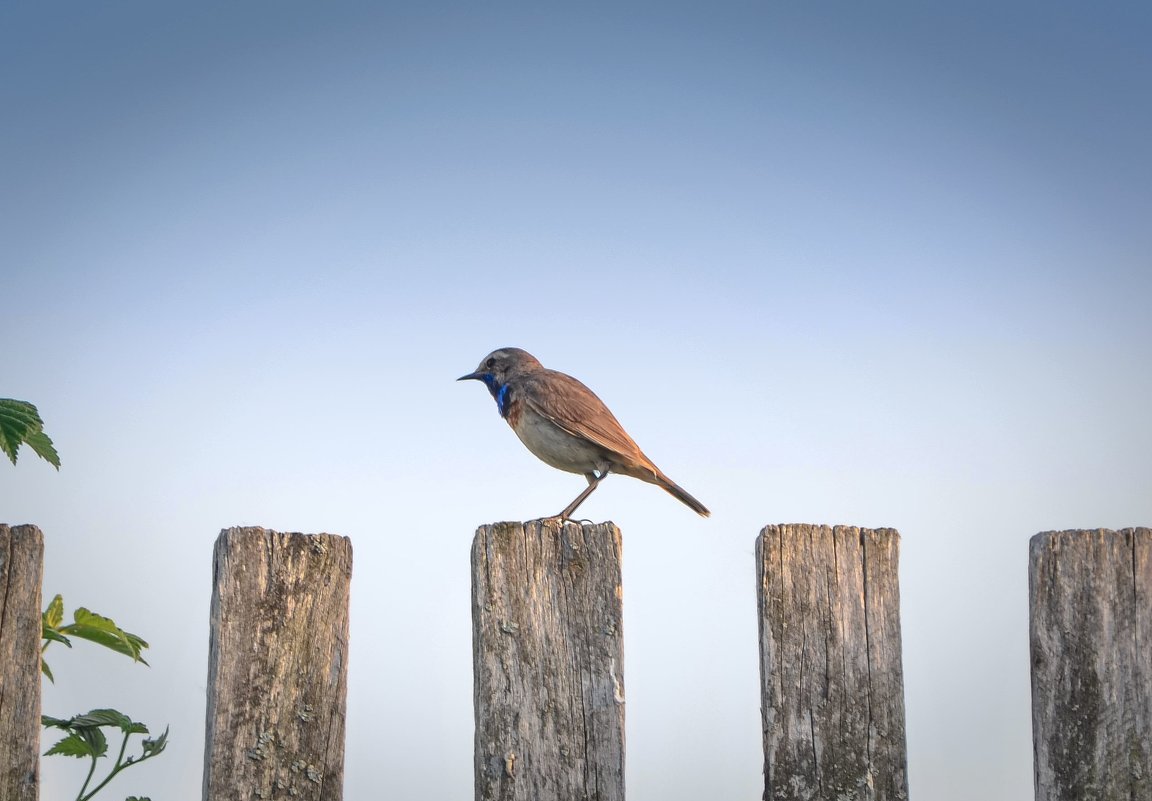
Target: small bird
{"points": [[565, 425]]}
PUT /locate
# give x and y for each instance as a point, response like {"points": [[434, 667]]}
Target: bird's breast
{"points": [[552, 444], [510, 406]]}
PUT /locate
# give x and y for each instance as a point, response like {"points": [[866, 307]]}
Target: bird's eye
{"points": [[490, 363]]}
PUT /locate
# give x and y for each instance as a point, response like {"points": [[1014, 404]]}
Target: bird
{"points": [[565, 425]]}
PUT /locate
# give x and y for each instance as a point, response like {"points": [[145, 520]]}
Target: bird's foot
{"points": [[562, 519]]}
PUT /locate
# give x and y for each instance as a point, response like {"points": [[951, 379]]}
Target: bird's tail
{"points": [[679, 493]]}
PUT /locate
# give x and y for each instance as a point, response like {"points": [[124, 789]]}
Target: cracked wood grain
{"points": [[1091, 651], [548, 662], [21, 571], [277, 671], [830, 663]]}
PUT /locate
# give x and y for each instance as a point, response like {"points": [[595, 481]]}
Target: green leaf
{"points": [[101, 717], [18, 413], [41, 445], [154, 746], [20, 424], [95, 739], [52, 635], [17, 420], [54, 614], [47, 721], [108, 717], [80, 742], [49, 621], [73, 745], [104, 631]]}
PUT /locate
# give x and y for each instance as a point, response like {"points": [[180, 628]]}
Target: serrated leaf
{"points": [[54, 614], [41, 445], [85, 737], [156, 745], [95, 739], [104, 631], [20, 423], [9, 442], [47, 671], [98, 635], [86, 617], [109, 717], [73, 745], [17, 420], [19, 413]]}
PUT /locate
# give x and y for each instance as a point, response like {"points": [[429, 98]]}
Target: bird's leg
{"points": [[593, 482]]}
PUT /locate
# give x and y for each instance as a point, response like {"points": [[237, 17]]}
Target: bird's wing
{"points": [[573, 407]]}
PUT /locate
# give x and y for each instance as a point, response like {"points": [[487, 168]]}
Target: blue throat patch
{"points": [[499, 392], [502, 400]]}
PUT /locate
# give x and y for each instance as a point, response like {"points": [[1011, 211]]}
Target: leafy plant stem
{"points": [[119, 766], [87, 779]]}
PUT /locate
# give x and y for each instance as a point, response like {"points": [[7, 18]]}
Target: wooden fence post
{"points": [[277, 666], [548, 661], [21, 572], [1091, 632], [830, 670]]}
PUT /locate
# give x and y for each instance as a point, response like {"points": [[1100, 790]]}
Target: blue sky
{"points": [[886, 265]]}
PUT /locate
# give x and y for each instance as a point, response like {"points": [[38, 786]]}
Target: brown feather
{"points": [[580, 412]]}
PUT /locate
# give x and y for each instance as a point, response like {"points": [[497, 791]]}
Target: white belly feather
{"points": [[556, 447]]}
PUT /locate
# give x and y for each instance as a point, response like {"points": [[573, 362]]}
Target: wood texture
{"points": [[277, 668], [549, 662], [21, 572], [830, 663], [1091, 631]]}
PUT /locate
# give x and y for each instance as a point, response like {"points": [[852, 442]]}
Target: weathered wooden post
{"points": [[830, 669], [21, 571], [548, 658], [277, 666], [1091, 631]]}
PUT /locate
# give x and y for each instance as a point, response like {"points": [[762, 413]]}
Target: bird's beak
{"points": [[470, 375]]}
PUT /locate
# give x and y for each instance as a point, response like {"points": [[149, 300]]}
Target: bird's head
{"points": [[500, 365]]}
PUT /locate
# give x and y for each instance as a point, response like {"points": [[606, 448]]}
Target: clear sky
{"points": [[885, 264]]}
